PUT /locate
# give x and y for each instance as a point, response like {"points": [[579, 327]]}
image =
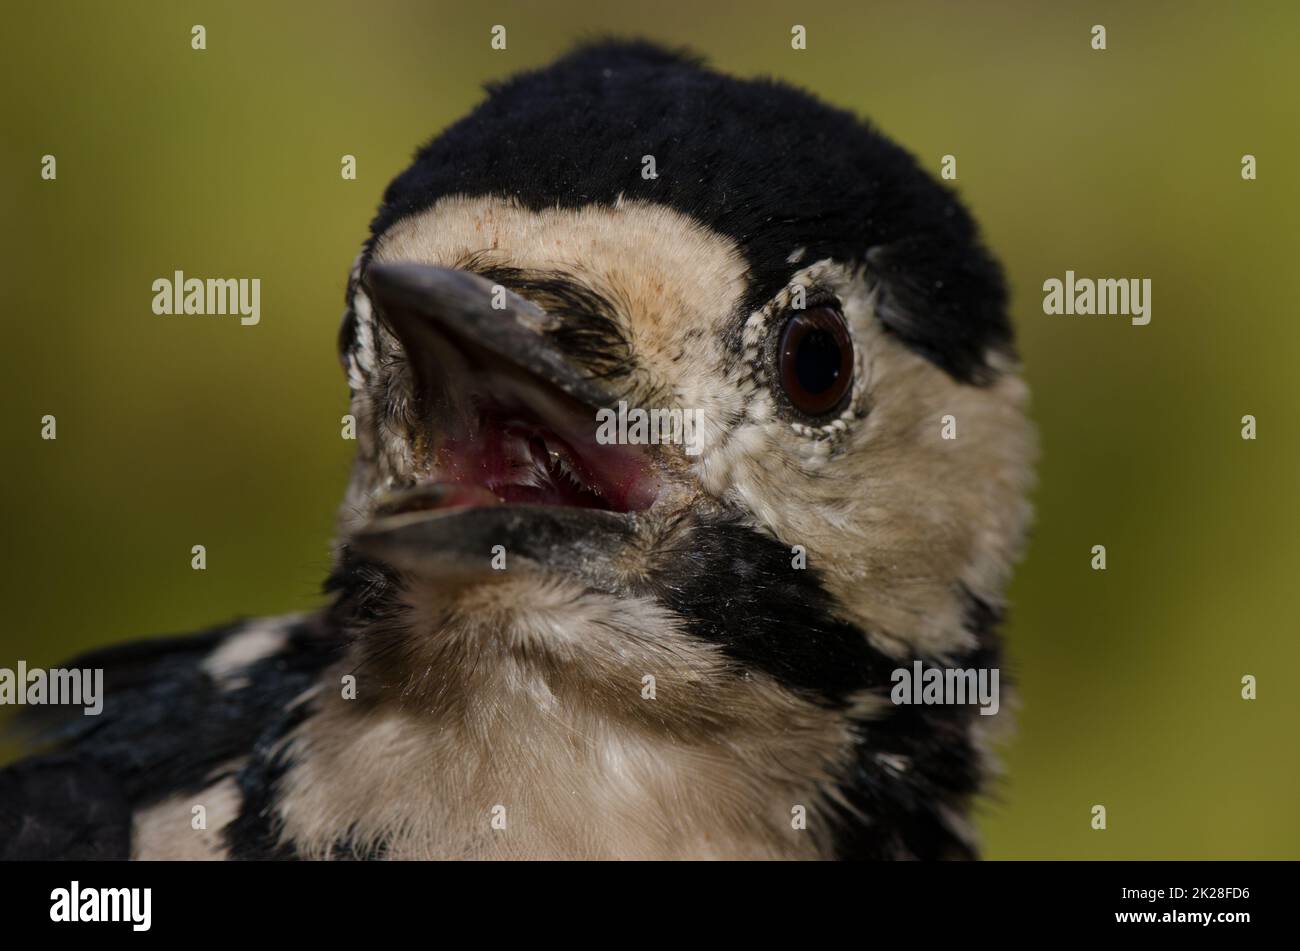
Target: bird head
{"points": [[829, 471]]}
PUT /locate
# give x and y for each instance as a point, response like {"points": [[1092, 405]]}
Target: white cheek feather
{"points": [[883, 505]]}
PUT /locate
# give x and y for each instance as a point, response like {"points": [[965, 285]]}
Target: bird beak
{"points": [[472, 544], [428, 307], [507, 447]]}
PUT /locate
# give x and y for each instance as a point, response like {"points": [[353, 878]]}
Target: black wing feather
{"points": [[166, 728]]}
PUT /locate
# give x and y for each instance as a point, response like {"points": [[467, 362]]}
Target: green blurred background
{"points": [[1123, 163]]}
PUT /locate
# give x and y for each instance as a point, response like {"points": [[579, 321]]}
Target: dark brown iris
{"points": [[816, 360]]}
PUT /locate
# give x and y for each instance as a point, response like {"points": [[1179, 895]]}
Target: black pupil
{"points": [[817, 361]]}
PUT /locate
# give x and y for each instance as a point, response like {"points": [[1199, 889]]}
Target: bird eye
{"points": [[815, 360]]}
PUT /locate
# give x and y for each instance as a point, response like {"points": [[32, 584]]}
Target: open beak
{"points": [[507, 449]]}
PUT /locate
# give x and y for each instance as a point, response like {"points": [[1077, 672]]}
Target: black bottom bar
{"points": [[438, 900]]}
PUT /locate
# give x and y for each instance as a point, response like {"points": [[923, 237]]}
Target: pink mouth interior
{"points": [[511, 456], [500, 434]]}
